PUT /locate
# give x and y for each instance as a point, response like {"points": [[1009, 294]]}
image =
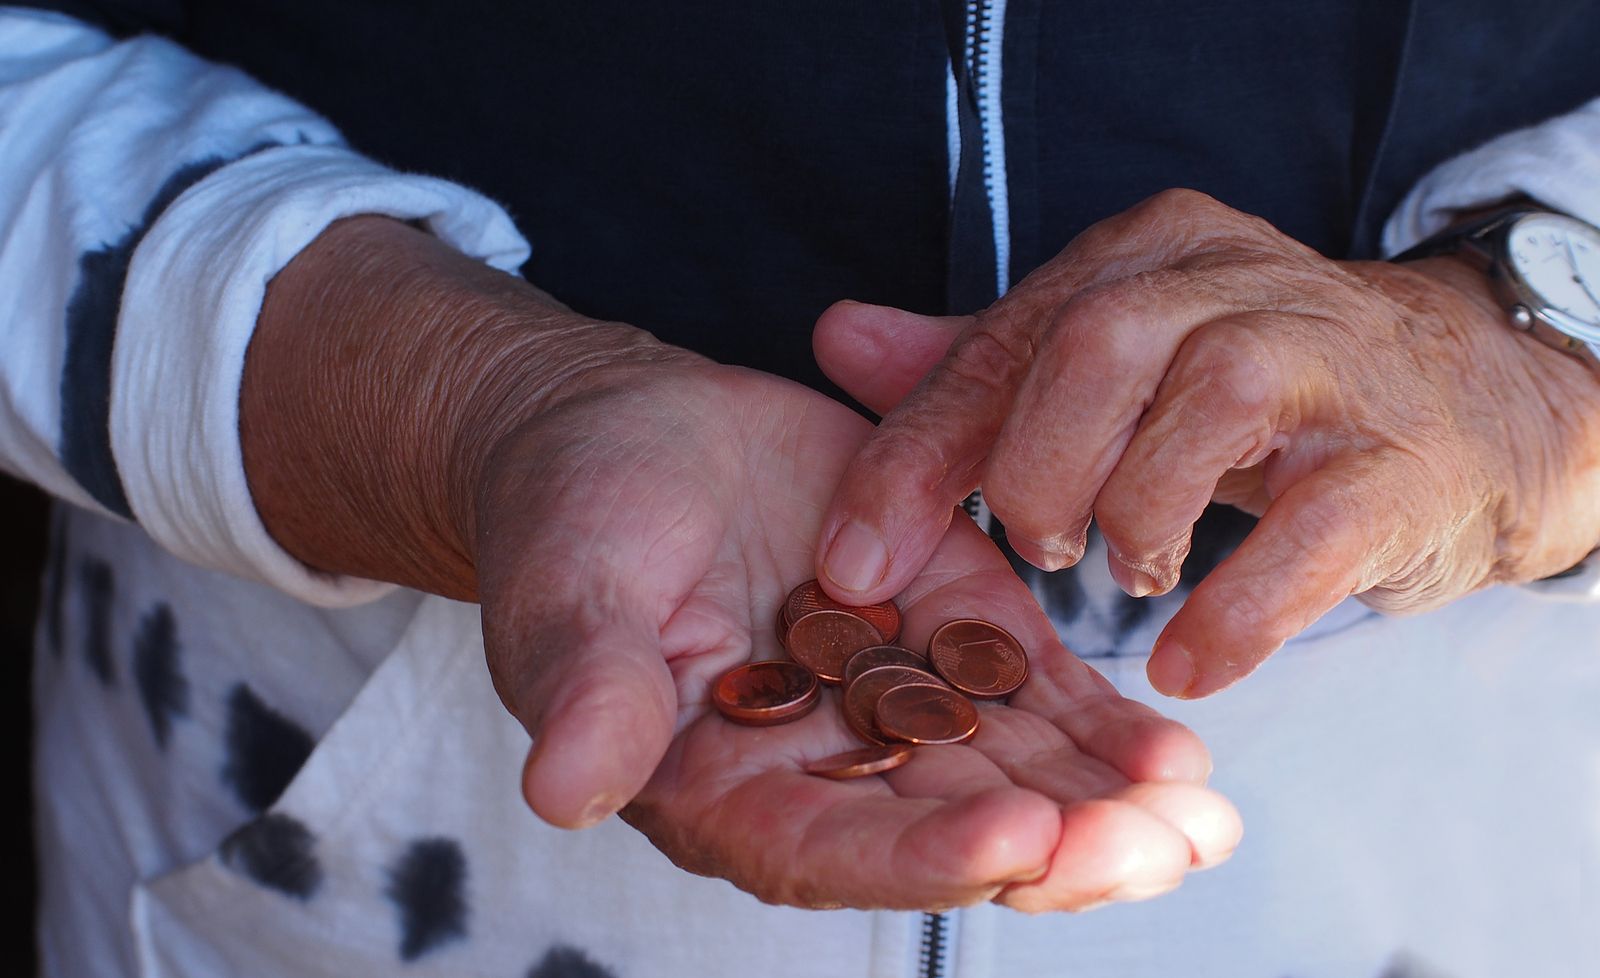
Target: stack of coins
{"points": [[893, 697]]}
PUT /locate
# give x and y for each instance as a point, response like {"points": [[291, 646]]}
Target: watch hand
{"points": [[1577, 273]]}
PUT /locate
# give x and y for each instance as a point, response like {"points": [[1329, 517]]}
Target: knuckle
{"points": [[1101, 325], [1232, 367], [945, 433], [901, 463], [1200, 220], [991, 354], [1175, 203], [1322, 525]]}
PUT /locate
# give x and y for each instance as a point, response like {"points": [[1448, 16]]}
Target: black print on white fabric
{"points": [[1062, 599], [56, 581], [567, 962], [265, 749], [156, 672], [1130, 614], [428, 885], [91, 326], [1095, 618], [278, 852], [97, 585]]}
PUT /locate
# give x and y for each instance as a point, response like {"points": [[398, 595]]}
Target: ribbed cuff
{"points": [[194, 291]]}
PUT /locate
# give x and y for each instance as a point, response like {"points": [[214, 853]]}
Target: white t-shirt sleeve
{"points": [[1557, 163], [146, 199]]}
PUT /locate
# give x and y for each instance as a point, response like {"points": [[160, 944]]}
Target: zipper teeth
{"points": [[977, 15], [975, 507], [985, 29], [933, 945]]}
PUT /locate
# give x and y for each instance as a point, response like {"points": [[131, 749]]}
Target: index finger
{"points": [[895, 499]]}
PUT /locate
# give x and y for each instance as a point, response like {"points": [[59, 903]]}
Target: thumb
{"points": [[878, 353], [591, 687]]}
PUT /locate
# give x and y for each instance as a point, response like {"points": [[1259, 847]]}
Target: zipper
{"points": [[934, 960], [975, 507], [985, 48]]}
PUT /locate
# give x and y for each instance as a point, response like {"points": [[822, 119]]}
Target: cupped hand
{"points": [[635, 542], [630, 516], [1398, 440]]}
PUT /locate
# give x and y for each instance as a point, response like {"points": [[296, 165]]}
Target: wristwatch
{"points": [[1543, 265]]}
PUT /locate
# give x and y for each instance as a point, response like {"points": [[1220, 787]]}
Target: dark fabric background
{"points": [[718, 173], [26, 517]]}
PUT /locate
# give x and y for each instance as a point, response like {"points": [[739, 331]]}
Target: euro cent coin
{"points": [[883, 655], [782, 626], [809, 597], [924, 714], [824, 641], [862, 762], [862, 695], [760, 694], [979, 658]]}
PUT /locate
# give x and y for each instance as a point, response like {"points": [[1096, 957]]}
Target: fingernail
{"points": [[1040, 553], [1170, 669], [1147, 891], [1059, 550], [1137, 583], [1216, 860], [857, 558], [601, 808]]}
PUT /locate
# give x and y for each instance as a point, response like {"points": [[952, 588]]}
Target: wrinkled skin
{"points": [[629, 516], [1399, 441], [675, 507]]}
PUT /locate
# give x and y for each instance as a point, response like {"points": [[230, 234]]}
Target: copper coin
{"points": [[979, 658], [861, 762], [926, 714], [883, 655], [862, 695], [761, 694], [824, 641], [809, 597], [783, 626]]}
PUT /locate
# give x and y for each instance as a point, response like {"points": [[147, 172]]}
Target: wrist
{"points": [[1533, 411], [384, 369]]}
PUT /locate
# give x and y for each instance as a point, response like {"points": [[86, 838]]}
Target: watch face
{"points": [[1558, 258]]}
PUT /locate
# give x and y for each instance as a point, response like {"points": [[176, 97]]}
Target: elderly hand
{"points": [[630, 516], [1398, 440]]}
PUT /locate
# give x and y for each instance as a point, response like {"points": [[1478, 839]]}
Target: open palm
{"points": [[636, 542]]}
